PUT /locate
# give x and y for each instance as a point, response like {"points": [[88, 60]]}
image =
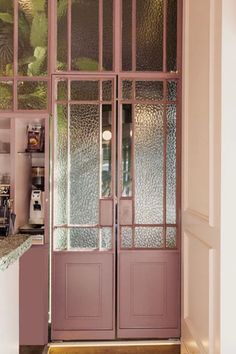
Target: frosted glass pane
{"points": [[107, 90], [171, 165], [126, 182], [149, 90], [106, 238], [149, 237], [33, 38], [106, 150], [148, 151], [107, 34], [82, 238], [61, 167], [62, 34], [32, 95], [171, 90], [171, 237], [84, 164], [62, 90], [84, 35], [60, 239], [6, 38], [171, 35], [127, 89], [149, 43], [6, 95], [84, 90], [126, 237], [127, 35]]}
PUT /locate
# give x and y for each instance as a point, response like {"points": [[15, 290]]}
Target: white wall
{"points": [[9, 310], [228, 179]]}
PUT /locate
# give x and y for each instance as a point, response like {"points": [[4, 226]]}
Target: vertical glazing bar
{"points": [[165, 4], [179, 34], [119, 163], [113, 160], [132, 168], [134, 14], [69, 163], [100, 140], [100, 35], [52, 37], [15, 53], [69, 33], [117, 52], [164, 159]]}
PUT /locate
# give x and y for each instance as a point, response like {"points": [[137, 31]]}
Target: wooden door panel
{"points": [[84, 288], [149, 290]]}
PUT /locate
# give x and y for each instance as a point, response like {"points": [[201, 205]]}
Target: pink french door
{"points": [[116, 167], [115, 208]]}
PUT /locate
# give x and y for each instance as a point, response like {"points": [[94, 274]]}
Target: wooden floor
{"points": [[32, 350], [162, 349]]}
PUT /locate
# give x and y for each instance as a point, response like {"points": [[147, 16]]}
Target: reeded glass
{"points": [[106, 167], [126, 237], [84, 35], [62, 90], [148, 159], [171, 90], [32, 95], [33, 38], [107, 90], [106, 238], [171, 165], [84, 90], [62, 34], [83, 238], [84, 166], [61, 166], [126, 182], [107, 35], [60, 236], [127, 89], [149, 90], [126, 35], [6, 38], [171, 40], [171, 237], [149, 42], [149, 237], [6, 95]]}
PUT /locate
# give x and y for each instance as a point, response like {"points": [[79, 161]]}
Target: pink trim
{"points": [[165, 4], [134, 34], [69, 35], [100, 35]]}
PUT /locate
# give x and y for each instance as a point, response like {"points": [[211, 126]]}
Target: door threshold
{"points": [[125, 343]]}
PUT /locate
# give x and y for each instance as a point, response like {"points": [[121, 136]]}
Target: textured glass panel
{"points": [[6, 95], [171, 165], [106, 238], [149, 90], [82, 238], [61, 166], [32, 95], [84, 35], [171, 35], [33, 37], [60, 239], [126, 237], [171, 90], [62, 35], [84, 164], [84, 90], [126, 181], [127, 89], [6, 38], [107, 90], [127, 35], [106, 150], [149, 143], [149, 237], [107, 34], [62, 90], [149, 55], [171, 237]]}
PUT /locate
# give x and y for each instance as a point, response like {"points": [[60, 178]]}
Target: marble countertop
{"points": [[12, 248]]}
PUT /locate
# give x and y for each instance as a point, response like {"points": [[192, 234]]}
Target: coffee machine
{"points": [[37, 197]]}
